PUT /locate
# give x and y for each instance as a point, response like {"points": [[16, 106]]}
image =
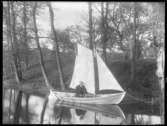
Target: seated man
{"points": [[81, 90]]}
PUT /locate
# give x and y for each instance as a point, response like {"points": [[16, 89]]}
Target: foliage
{"points": [[149, 34], [64, 41], [145, 71]]}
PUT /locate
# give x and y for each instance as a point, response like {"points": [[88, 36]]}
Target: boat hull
{"points": [[114, 98]]}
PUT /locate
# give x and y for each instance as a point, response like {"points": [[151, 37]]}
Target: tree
{"points": [[133, 48], [22, 40], [113, 23], [75, 34], [10, 103], [27, 108], [57, 47], [63, 40], [90, 27], [49, 86], [157, 21], [43, 110], [15, 53], [104, 28], [120, 26], [25, 33], [14, 44]]}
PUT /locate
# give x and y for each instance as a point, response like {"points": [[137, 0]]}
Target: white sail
{"points": [[84, 69], [106, 78]]}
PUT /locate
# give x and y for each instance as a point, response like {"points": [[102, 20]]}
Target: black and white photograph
{"points": [[84, 62]]}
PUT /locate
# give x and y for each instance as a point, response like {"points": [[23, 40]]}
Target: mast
{"points": [[96, 76]]}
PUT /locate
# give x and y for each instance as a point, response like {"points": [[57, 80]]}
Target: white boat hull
{"points": [[114, 98]]}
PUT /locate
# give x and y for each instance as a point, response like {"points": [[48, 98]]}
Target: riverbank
{"points": [[144, 87]]}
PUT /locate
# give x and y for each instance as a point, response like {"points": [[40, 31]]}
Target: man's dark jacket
{"points": [[80, 91]]}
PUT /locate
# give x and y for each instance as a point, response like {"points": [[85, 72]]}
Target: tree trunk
{"points": [[90, 27], [13, 41], [18, 107], [41, 60], [161, 80], [43, 110], [104, 18], [25, 32], [57, 47], [49, 86], [3, 102], [10, 103], [4, 72], [133, 49], [103, 31], [162, 105], [27, 109], [14, 97], [11, 68], [133, 120], [16, 60], [61, 115], [96, 119]]}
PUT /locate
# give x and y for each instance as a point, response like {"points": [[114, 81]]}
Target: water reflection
{"points": [[146, 120], [80, 113], [94, 114], [70, 113]]}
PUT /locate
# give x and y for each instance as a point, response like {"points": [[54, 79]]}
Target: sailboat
{"points": [[99, 81]]}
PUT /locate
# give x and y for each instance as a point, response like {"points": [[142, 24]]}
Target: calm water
{"points": [[66, 113]]}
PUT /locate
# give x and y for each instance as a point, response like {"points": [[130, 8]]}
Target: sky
{"points": [[65, 15]]}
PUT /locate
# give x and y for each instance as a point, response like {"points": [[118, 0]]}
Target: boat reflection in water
{"points": [[70, 113], [94, 114]]}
